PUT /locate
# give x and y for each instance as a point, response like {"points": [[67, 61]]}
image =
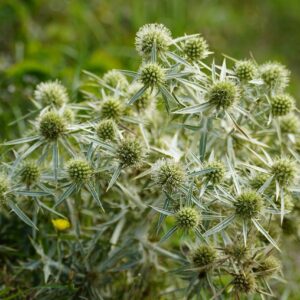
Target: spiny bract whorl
{"points": [[275, 75], [244, 283], [112, 109], [52, 125], [203, 256], [187, 218], [150, 35], [195, 49], [79, 170], [248, 204], [51, 93], [245, 70], [282, 104], [223, 94], [169, 175], [115, 79], [30, 172], [217, 173], [106, 130], [152, 74], [129, 152], [284, 171]]}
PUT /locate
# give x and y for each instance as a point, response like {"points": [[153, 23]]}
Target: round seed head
{"points": [[187, 218], [204, 256], [79, 170], [275, 76], [51, 93], [217, 174], [238, 252], [152, 74], [52, 125], [290, 124], [248, 204], [244, 283], [115, 79], [245, 70], [282, 105], [106, 130], [284, 171], [112, 109], [4, 188], [195, 49], [169, 175], [150, 35], [30, 173], [223, 94], [129, 153], [61, 224], [269, 266]]}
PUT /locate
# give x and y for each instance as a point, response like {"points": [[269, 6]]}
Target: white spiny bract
{"points": [[180, 154]]}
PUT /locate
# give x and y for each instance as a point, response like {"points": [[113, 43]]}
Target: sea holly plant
{"points": [[193, 164]]}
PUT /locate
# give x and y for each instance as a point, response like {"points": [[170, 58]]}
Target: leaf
{"points": [[265, 234], [194, 109], [168, 234], [31, 193], [15, 208], [95, 195], [233, 174], [115, 177], [41, 204], [162, 211], [265, 185], [221, 226], [66, 194], [22, 140], [167, 95], [201, 172], [55, 159], [137, 95]]}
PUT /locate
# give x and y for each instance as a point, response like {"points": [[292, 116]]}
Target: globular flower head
{"points": [[79, 170], [244, 283], [61, 224], [275, 75], [129, 152], [248, 204], [237, 251], [290, 124], [218, 172], [30, 172], [169, 175], [284, 171], [4, 188], [106, 130], [195, 48], [51, 93], [223, 94], [204, 256], [150, 35], [68, 115], [152, 74], [282, 104], [112, 109], [245, 70], [269, 266], [115, 79], [187, 218], [52, 125]]}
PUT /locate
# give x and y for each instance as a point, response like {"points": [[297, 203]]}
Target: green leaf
{"points": [[194, 109], [95, 195], [168, 234], [137, 95], [31, 193], [115, 177], [221, 226], [22, 140], [66, 194]]}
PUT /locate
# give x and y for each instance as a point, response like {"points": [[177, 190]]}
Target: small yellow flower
{"points": [[61, 224]]}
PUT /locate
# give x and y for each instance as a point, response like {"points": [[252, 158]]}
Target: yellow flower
{"points": [[61, 224]]}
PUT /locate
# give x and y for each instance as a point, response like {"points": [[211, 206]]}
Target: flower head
{"points": [[79, 170], [218, 172], [115, 79], [244, 282], [106, 130], [51, 93], [245, 70], [269, 266], [237, 251], [152, 74], [30, 172], [282, 104], [150, 35], [61, 224], [112, 109], [204, 256], [52, 125], [129, 152], [284, 171], [290, 124], [4, 188], [195, 49], [187, 218]]}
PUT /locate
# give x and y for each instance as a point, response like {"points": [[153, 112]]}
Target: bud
{"points": [[187, 218], [248, 204], [282, 105], [244, 283], [150, 35], [284, 171], [61, 224], [152, 74], [51, 93], [223, 94], [217, 174], [30, 173], [204, 256], [52, 125], [79, 170], [245, 70], [112, 109], [195, 49], [115, 79], [106, 130], [129, 153]]}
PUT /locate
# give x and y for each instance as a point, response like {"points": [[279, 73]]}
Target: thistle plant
{"points": [[193, 164]]}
